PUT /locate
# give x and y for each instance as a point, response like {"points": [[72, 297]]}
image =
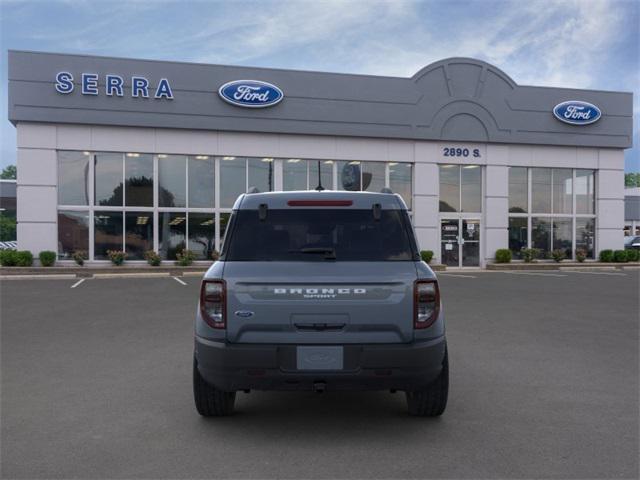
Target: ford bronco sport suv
{"points": [[320, 291]]}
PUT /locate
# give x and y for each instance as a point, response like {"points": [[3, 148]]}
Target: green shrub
{"points": [[633, 255], [426, 255], [185, 258], [117, 257], [606, 256], [581, 254], [24, 258], [503, 255], [558, 255], [529, 254], [620, 256], [47, 258], [152, 258], [80, 256], [8, 258]]}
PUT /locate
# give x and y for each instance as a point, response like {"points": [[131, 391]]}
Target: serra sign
{"points": [[113, 85]]}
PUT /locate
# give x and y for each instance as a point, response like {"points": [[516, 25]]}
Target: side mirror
{"points": [[635, 244]]}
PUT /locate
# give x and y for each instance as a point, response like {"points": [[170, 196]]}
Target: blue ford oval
{"points": [[250, 93], [576, 112]]}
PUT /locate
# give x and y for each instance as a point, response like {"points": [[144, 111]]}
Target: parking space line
{"points": [[455, 275], [178, 280], [78, 283], [538, 274], [598, 273]]}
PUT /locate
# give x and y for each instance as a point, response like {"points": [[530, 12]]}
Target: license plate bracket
{"points": [[319, 358]]}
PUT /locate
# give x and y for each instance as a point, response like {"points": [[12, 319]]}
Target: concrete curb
{"points": [[560, 266]]}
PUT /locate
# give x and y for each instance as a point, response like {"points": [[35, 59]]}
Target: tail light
{"points": [[213, 300], [426, 303]]}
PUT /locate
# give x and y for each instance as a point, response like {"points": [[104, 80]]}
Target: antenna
{"points": [[319, 188]]}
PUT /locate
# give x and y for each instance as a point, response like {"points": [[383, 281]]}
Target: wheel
{"points": [[211, 402], [432, 401]]}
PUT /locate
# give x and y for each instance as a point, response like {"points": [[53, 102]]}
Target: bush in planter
{"points": [[503, 255], [606, 256], [24, 258], [581, 254], [215, 255], [8, 258], [620, 256], [117, 257], [152, 258], [47, 258], [558, 255], [426, 255], [529, 254], [185, 258], [79, 256], [633, 255]]}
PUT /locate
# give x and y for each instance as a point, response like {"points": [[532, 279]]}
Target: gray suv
{"points": [[320, 291]]}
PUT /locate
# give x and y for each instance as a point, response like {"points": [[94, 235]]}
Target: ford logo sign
{"points": [[243, 313], [250, 93], [576, 112]]}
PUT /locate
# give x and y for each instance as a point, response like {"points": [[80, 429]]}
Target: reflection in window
{"points": [[233, 180], [107, 232], [138, 234], [73, 178], [108, 179], [172, 180], [400, 175], [349, 176], [541, 190], [202, 234], [373, 176], [224, 221], [261, 173], [73, 233], [585, 192], [201, 181], [562, 190], [171, 234], [138, 173], [562, 235], [541, 235], [585, 235], [449, 188], [518, 190], [471, 188], [294, 174], [517, 235]]}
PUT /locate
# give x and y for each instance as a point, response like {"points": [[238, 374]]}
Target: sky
{"points": [[565, 43]]}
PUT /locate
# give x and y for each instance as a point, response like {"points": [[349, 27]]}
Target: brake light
{"points": [[213, 300], [426, 303], [320, 203]]}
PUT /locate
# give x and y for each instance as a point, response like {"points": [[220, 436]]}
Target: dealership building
{"points": [[134, 155]]}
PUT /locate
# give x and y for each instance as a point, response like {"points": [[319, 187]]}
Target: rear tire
{"points": [[211, 402], [432, 401]]}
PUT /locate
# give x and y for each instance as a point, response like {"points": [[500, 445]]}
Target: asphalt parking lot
{"points": [[96, 383]]}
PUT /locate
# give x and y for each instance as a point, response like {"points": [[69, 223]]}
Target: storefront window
{"points": [[585, 192], [562, 190], [201, 181], [172, 233], [108, 179], [400, 180], [449, 188], [172, 179], [541, 190], [562, 235], [517, 235], [73, 178], [138, 173], [518, 190], [73, 233], [107, 232], [233, 180], [471, 192], [202, 234], [585, 235], [261, 173], [294, 174], [373, 176], [138, 234], [541, 235]]}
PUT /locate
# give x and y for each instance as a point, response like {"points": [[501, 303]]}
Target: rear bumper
{"points": [[232, 367]]}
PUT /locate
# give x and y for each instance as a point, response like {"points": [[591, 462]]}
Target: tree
{"points": [[9, 172], [632, 180]]}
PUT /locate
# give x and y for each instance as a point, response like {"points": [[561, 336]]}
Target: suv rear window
{"points": [[319, 235]]}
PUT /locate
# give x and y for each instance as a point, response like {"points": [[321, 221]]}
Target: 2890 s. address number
{"points": [[460, 152]]}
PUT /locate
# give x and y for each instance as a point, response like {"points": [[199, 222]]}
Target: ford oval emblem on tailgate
{"points": [[243, 313]]}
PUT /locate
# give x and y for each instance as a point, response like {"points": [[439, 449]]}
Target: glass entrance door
{"points": [[460, 242]]}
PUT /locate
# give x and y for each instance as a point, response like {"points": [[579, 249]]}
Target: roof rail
{"points": [[386, 190], [253, 190]]}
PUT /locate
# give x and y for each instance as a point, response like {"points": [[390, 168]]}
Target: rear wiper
{"points": [[330, 253]]}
